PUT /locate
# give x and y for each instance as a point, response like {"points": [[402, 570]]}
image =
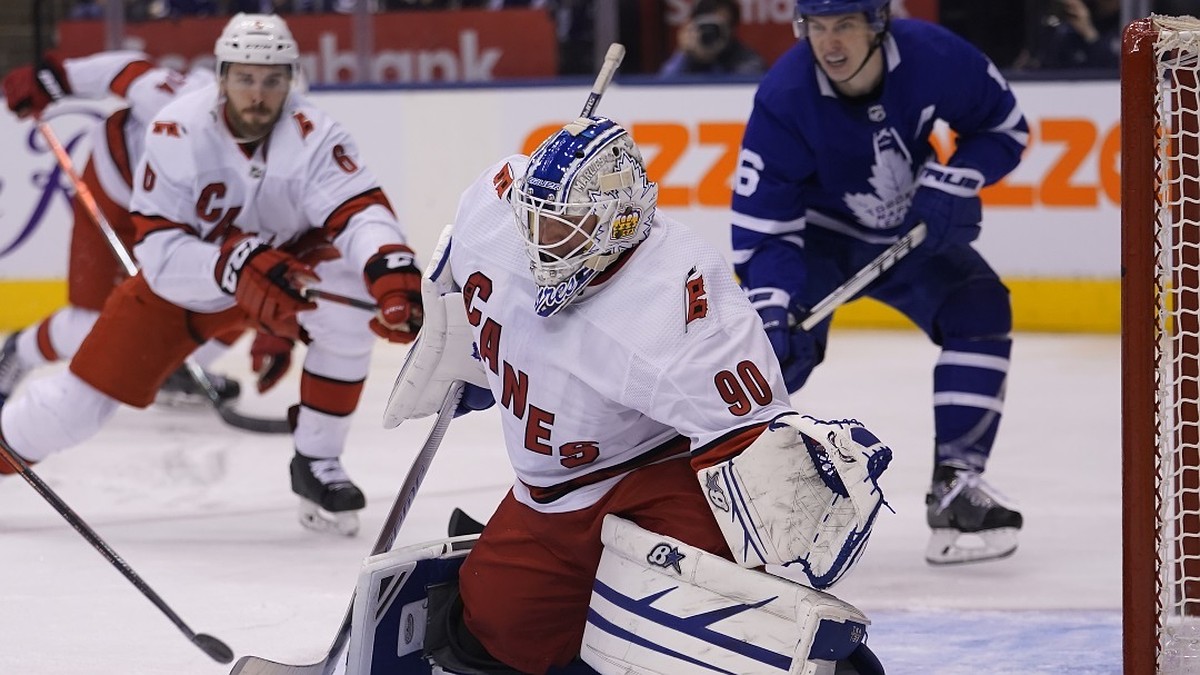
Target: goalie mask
{"points": [[583, 201], [878, 12]]}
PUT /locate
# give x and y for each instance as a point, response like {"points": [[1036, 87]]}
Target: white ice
{"points": [[203, 512]]}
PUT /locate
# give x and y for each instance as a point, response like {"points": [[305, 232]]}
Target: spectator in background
{"points": [[1078, 34], [708, 45]]}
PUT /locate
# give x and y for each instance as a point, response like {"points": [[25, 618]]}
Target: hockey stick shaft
{"points": [[210, 645], [842, 294], [612, 61], [252, 665], [318, 294], [84, 194]]}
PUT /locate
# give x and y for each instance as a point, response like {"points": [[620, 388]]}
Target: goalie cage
{"points": [[1160, 344]]}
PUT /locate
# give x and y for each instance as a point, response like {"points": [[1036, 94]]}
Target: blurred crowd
{"points": [[1018, 35]]}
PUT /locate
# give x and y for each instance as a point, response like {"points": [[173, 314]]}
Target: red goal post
{"points": [[1160, 346]]}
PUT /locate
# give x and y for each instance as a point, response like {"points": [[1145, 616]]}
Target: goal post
{"points": [[1160, 346]]}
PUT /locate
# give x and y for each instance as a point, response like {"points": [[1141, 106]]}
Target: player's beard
{"points": [[253, 122]]}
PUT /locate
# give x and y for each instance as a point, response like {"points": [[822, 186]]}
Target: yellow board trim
{"points": [[1051, 305], [26, 302]]}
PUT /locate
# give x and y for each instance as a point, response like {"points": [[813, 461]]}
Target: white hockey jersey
{"points": [[661, 356], [117, 143], [196, 184]]}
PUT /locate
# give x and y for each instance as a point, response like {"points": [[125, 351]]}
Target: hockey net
{"points": [[1160, 233]]}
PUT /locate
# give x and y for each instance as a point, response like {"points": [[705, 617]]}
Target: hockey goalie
{"points": [[659, 463]]}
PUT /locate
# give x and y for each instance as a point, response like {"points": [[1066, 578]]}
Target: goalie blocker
{"points": [[658, 606]]}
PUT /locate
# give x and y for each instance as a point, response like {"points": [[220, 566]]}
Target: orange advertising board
{"points": [[463, 46]]}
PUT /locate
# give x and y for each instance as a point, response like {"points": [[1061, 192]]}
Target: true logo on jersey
{"points": [[665, 555], [626, 222], [696, 306], [892, 179], [876, 113]]}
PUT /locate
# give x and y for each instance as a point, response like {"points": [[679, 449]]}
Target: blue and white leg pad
{"points": [[387, 634], [661, 606]]}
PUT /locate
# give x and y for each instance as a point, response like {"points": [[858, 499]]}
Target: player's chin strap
{"points": [[442, 354]]}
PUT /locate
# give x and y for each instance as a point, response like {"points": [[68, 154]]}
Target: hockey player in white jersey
{"points": [[635, 382], [116, 148], [246, 194]]}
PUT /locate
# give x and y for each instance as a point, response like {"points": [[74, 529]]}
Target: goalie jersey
{"points": [[660, 356], [813, 158]]}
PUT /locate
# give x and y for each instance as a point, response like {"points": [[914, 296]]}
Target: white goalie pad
{"points": [[805, 493], [661, 606], [387, 630], [443, 352]]}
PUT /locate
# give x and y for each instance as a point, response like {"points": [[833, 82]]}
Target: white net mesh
{"points": [[1177, 229]]}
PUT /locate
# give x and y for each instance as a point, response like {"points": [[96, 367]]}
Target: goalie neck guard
{"points": [[583, 200]]}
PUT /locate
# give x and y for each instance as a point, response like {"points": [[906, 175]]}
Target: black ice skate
{"points": [[181, 390], [969, 519], [328, 500], [12, 368]]}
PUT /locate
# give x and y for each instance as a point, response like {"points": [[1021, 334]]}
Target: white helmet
{"points": [[261, 39], [586, 187]]}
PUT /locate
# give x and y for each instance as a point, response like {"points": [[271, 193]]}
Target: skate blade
{"points": [[951, 547], [317, 519]]}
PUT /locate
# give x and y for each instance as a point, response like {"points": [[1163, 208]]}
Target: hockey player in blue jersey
{"points": [[836, 164]]}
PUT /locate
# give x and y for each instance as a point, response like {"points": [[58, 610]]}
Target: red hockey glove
{"points": [[313, 248], [266, 283], [30, 89], [270, 357], [395, 282]]}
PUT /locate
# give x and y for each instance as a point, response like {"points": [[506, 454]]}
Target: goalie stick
{"points": [[214, 648], [253, 665], [842, 294], [85, 197]]}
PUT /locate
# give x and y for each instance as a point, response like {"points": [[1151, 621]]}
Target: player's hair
{"points": [[588, 182]]}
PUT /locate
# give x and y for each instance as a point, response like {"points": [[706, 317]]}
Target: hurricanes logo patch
{"points": [[696, 306], [665, 555], [626, 222]]}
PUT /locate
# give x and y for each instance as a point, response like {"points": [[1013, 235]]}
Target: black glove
{"points": [[947, 200], [795, 348]]}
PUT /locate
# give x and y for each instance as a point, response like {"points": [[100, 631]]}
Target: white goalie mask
{"points": [[259, 39], [583, 200]]}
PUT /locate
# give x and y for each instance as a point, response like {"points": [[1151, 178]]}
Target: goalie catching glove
{"points": [[805, 493], [266, 283], [394, 280]]}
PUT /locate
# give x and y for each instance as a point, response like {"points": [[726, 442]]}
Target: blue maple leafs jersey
{"points": [[813, 158]]}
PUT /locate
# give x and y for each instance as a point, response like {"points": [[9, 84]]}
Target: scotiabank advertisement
{"points": [[462, 46]]}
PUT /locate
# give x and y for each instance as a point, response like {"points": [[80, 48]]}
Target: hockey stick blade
{"points": [[259, 425], [254, 665], [214, 648], [882, 263]]}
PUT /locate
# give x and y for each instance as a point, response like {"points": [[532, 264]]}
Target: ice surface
{"points": [[203, 512]]}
